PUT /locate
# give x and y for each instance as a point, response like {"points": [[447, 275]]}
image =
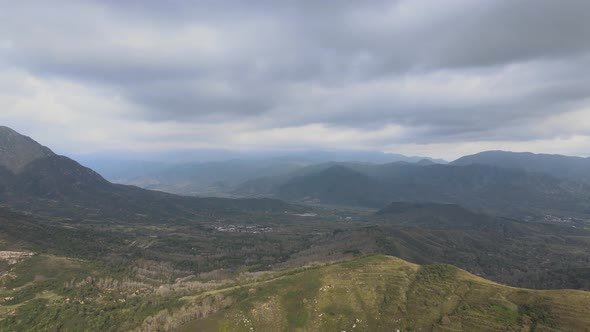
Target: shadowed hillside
{"points": [[533, 255], [52, 185], [17, 151]]}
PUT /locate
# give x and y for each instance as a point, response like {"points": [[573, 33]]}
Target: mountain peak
{"points": [[425, 162], [17, 151]]}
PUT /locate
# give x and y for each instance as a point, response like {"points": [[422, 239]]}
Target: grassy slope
{"points": [[381, 293], [372, 293], [53, 293]]}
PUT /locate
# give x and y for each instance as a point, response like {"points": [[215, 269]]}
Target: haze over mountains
{"points": [[512, 184], [482, 187], [155, 260], [497, 182], [223, 174], [573, 168], [508, 183], [34, 179]]}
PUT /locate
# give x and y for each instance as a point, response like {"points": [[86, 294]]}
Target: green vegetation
{"points": [[376, 293], [84, 254], [431, 273], [536, 314], [379, 293], [57, 293]]}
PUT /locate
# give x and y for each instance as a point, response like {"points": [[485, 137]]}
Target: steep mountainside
{"points": [[381, 293], [17, 151], [575, 168], [54, 185]]}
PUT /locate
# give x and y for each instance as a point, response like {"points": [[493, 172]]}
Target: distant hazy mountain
{"points": [[480, 187], [267, 185], [557, 165], [121, 170], [377, 157], [222, 177], [210, 178], [199, 156], [334, 185], [34, 179], [426, 162]]}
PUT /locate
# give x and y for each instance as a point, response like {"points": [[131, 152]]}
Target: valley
{"points": [[118, 257], [294, 166]]}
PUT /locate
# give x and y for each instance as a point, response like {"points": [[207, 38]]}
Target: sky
{"points": [[416, 77]]}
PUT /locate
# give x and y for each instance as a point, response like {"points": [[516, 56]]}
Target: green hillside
{"points": [[369, 293], [382, 293]]}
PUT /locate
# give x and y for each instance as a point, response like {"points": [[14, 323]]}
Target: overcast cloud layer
{"points": [[436, 78]]}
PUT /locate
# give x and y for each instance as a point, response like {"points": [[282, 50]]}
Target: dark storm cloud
{"points": [[452, 70]]}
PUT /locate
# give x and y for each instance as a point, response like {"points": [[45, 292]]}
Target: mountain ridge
{"points": [[384, 293], [561, 166], [17, 151], [58, 186], [488, 188]]}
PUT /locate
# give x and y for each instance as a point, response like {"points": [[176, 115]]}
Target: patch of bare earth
{"points": [[13, 257]]}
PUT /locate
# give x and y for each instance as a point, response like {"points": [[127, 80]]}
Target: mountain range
{"points": [[566, 167], [222, 177], [497, 182], [34, 179], [78, 252], [496, 190]]}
